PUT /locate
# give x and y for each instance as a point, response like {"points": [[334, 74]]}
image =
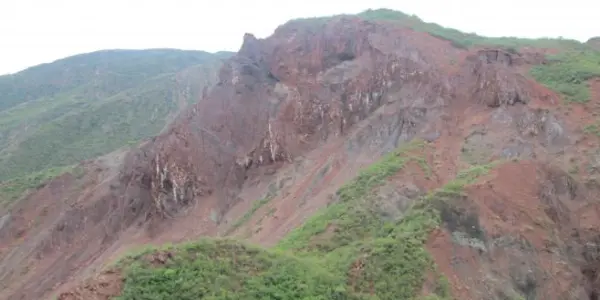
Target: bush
{"points": [[568, 73]]}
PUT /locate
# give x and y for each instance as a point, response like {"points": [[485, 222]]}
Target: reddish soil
{"points": [[438, 244], [510, 202], [103, 287]]}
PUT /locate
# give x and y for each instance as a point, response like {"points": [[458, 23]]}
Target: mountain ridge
{"points": [[90, 103], [477, 181]]}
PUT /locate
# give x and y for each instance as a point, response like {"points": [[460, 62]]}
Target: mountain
{"points": [[58, 114], [373, 156], [594, 42]]}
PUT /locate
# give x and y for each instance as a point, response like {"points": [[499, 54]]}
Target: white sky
{"points": [[39, 31]]}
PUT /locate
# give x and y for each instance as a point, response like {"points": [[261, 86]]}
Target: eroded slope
{"points": [[292, 118]]}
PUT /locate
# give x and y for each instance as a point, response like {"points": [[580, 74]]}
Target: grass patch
{"points": [[12, 190], [363, 256], [461, 39], [88, 105], [225, 269], [355, 221], [568, 73], [592, 129], [452, 205], [246, 217]]}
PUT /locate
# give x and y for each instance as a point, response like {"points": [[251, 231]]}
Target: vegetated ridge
{"points": [[479, 161], [55, 115]]}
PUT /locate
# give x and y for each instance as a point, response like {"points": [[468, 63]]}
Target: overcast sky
{"points": [[39, 31]]}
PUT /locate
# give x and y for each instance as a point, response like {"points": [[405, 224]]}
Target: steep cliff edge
{"points": [[270, 105], [292, 118]]}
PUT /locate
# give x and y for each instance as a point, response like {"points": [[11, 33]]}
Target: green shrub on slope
{"points": [[11, 190], [87, 105], [224, 269], [363, 256], [568, 73]]}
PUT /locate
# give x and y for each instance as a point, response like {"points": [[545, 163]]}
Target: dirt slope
{"points": [[293, 118]]}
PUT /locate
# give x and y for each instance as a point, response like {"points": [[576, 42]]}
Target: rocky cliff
{"points": [[281, 97]]}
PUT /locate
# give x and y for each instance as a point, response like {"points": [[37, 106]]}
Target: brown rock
{"points": [[278, 98]]}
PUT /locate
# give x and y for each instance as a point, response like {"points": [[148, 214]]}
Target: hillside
{"points": [[58, 114], [350, 157]]}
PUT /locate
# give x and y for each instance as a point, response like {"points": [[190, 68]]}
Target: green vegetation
{"points": [[223, 269], [255, 206], [100, 74], [80, 107], [459, 38], [349, 250], [592, 129], [353, 206], [466, 177], [568, 73], [11, 190]]}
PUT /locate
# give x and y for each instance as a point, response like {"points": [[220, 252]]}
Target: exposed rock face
{"points": [[278, 98], [494, 80], [490, 56]]}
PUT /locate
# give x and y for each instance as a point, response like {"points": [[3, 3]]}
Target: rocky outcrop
{"points": [[499, 56], [493, 79], [277, 98], [283, 96]]}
